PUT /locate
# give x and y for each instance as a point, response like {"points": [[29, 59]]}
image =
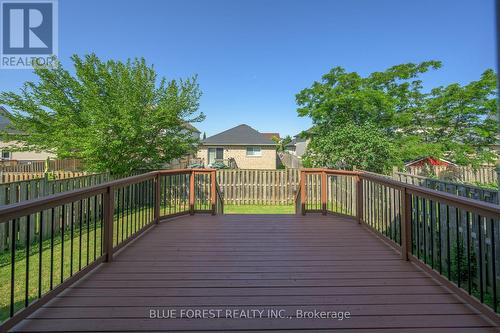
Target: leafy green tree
{"points": [[362, 146], [115, 116], [455, 122], [463, 120]]}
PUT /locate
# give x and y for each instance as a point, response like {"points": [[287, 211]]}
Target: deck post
{"points": [[359, 199], [323, 193], [109, 203], [191, 192], [405, 224], [213, 190], [157, 198], [303, 192]]}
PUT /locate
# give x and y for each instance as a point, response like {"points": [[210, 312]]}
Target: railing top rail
{"points": [[331, 171], [11, 211], [446, 182], [481, 207], [24, 208]]}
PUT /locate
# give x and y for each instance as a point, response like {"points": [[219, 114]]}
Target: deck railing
{"points": [[453, 238], [55, 240]]}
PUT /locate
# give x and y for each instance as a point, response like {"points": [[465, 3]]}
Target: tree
{"points": [[282, 143], [455, 122], [115, 116], [362, 146], [463, 120]]}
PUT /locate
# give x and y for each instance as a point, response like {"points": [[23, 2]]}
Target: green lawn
{"points": [[259, 209]]}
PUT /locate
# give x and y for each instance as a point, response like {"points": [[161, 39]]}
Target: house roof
{"points": [[430, 160], [271, 135], [239, 135], [5, 123], [191, 128]]}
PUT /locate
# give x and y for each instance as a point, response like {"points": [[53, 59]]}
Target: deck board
{"points": [[237, 262]]}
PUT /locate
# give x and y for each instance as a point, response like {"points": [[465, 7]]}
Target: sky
{"points": [[253, 57]]}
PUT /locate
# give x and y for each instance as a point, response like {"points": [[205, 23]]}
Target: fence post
{"points": [[359, 199], [109, 203], [303, 192], [191, 192], [323, 193], [405, 224], [157, 198]]}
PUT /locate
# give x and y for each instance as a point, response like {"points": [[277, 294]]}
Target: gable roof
{"points": [[191, 128], [239, 135], [5, 123], [271, 135]]}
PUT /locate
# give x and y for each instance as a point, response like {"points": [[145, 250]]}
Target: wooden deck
{"points": [[278, 262]]}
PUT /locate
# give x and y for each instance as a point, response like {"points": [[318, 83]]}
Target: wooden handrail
{"points": [[412, 199], [23, 208], [481, 207]]}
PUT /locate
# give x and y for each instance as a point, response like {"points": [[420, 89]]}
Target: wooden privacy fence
{"points": [[7, 177], [259, 187], [15, 192], [463, 190], [455, 239], [39, 166], [485, 174], [85, 227]]}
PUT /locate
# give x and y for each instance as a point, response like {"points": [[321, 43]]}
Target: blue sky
{"points": [[252, 57]]}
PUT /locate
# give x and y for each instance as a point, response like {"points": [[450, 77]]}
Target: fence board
{"points": [[484, 174], [34, 188], [39, 166], [464, 190]]}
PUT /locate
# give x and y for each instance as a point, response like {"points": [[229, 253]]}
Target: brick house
{"points": [[248, 148]]}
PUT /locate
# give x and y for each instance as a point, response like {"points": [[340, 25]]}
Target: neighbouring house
{"points": [[12, 155], [297, 146], [185, 161], [247, 147], [195, 133]]}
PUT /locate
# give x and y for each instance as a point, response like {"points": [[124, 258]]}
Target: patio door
{"points": [[215, 154]]}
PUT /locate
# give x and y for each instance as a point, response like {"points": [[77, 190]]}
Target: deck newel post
{"points": [[213, 190], [359, 199], [303, 192], [405, 224], [109, 203], [323, 193], [157, 198], [191, 192]]}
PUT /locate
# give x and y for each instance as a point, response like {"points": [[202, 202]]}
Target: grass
{"points": [[259, 209]]}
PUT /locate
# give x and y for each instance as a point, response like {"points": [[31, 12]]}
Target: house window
{"points": [[254, 151], [6, 155], [215, 155]]}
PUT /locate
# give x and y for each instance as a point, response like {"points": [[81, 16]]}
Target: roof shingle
{"points": [[239, 135]]}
